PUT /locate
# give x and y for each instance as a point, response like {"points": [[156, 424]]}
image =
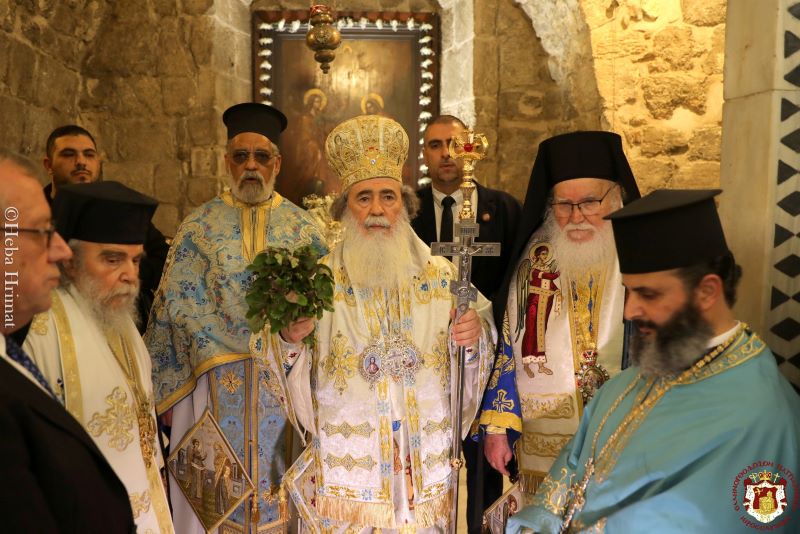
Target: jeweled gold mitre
{"points": [[367, 146]]}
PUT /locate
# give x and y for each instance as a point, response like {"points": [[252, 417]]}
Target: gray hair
{"points": [[77, 258], [410, 203], [25, 164]]}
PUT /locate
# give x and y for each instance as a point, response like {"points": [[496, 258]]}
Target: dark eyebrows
{"points": [[642, 290], [112, 254], [119, 254], [432, 142]]}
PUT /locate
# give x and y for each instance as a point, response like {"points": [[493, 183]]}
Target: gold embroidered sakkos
{"points": [[347, 430], [122, 351]]}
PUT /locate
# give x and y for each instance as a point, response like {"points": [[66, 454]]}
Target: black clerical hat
{"points": [[102, 212], [583, 154], [668, 229], [254, 117]]}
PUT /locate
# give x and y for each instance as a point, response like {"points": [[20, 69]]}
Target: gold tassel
{"points": [[283, 505], [360, 513], [529, 482], [428, 513]]}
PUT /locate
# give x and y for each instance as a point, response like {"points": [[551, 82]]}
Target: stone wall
{"points": [[518, 100], [151, 78], [41, 50], [658, 66], [148, 79], [650, 70]]}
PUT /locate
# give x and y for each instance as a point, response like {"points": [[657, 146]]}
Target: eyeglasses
{"points": [[262, 157], [49, 231], [586, 207]]}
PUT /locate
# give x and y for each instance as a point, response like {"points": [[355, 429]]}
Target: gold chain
{"points": [[144, 417], [643, 404]]}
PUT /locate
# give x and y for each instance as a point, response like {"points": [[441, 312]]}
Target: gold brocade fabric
{"points": [[585, 298]]}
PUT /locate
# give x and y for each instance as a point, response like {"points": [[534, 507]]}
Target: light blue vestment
{"points": [[198, 327], [693, 463]]}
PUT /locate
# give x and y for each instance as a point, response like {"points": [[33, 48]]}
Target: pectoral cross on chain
{"points": [[578, 497], [470, 147]]}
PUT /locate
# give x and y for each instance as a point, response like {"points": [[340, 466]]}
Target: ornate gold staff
{"points": [[469, 147]]}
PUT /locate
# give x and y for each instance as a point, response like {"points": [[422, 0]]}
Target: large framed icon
{"points": [[387, 64], [209, 473]]}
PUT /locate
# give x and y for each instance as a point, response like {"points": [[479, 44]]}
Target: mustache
{"points": [[578, 226], [638, 323], [252, 175], [131, 290], [376, 220]]}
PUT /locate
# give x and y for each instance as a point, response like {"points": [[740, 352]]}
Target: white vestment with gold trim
{"points": [[97, 388], [586, 319], [376, 397]]}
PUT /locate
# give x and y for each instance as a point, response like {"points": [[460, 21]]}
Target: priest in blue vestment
{"points": [[702, 433], [198, 334]]}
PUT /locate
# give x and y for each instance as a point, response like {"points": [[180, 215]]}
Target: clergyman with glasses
{"points": [[560, 304], [198, 333]]}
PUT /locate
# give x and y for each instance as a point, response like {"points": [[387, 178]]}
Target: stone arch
{"points": [[456, 93], [565, 35]]}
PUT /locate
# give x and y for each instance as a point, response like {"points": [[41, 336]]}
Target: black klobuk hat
{"points": [[102, 212], [668, 229]]}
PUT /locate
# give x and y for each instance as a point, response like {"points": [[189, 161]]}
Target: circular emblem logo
{"points": [[765, 494]]}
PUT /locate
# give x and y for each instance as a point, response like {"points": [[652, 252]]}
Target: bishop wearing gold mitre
{"points": [[375, 391]]}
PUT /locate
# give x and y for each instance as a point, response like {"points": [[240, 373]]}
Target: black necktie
{"points": [[446, 227], [18, 355]]}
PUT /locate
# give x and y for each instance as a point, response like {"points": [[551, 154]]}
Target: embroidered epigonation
{"points": [[542, 444], [350, 463], [347, 430]]}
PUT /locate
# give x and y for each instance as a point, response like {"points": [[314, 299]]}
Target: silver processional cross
{"points": [[469, 147]]}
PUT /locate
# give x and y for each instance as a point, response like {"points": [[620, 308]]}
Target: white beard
{"points": [[251, 193], [374, 258], [110, 317], [577, 258]]}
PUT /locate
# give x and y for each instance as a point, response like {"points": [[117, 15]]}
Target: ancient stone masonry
{"points": [[648, 70], [148, 78], [151, 78]]}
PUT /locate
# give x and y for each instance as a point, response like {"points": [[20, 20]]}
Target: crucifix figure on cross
{"points": [[469, 147]]}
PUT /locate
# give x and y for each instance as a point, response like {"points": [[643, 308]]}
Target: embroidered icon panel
{"points": [[208, 472]]}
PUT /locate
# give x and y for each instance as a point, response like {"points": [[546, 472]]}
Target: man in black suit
{"points": [[498, 214], [53, 477]]}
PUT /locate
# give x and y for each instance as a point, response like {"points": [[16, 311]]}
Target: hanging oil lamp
{"points": [[323, 36]]}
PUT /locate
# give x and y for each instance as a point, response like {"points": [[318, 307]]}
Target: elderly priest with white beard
{"points": [[375, 393], [87, 344], [198, 333], [702, 433], [563, 332]]}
